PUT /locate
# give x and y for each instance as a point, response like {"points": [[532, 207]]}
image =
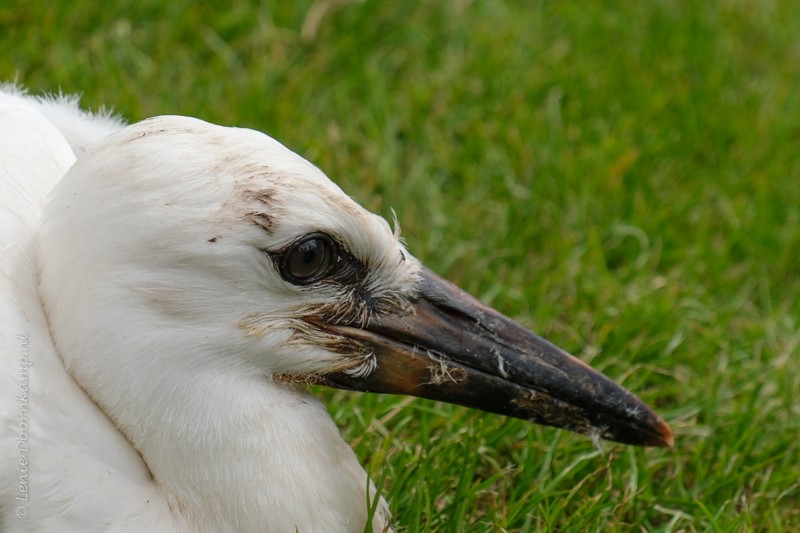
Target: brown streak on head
{"points": [[253, 326], [263, 197], [261, 202], [261, 219]]}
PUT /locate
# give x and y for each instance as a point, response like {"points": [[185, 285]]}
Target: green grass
{"points": [[623, 179]]}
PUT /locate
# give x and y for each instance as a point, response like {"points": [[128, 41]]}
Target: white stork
{"points": [[164, 299]]}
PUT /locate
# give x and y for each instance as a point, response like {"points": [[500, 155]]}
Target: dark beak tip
{"points": [[657, 434], [666, 437]]}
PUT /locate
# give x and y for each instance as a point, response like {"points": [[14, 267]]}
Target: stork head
{"points": [[224, 240]]}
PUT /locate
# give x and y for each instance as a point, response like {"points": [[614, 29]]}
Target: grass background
{"points": [[623, 179]]}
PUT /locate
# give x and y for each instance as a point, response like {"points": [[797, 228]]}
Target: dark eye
{"points": [[309, 259]]}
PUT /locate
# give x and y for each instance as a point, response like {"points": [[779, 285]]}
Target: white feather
{"points": [[155, 298]]}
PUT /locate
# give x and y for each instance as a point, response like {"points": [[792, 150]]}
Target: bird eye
{"points": [[309, 259]]}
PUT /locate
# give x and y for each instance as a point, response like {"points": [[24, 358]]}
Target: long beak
{"points": [[454, 349]]}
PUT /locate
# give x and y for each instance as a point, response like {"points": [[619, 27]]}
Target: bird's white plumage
{"points": [[70, 450], [154, 292]]}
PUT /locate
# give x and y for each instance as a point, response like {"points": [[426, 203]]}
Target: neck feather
{"points": [[239, 452]]}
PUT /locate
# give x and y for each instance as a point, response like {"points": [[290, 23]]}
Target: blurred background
{"points": [[623, 179]]}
